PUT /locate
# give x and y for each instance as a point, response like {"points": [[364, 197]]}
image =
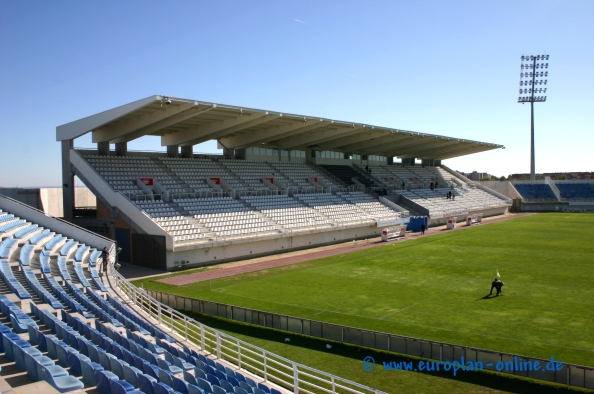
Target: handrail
{"points": [[222, 346]]}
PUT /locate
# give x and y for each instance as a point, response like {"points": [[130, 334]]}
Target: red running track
{"points": [[231, 271]]}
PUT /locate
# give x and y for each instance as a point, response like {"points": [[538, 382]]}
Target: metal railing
{"points": [[541, 200], [260, 192], [564, 373], [270, 367], [198, 194]]}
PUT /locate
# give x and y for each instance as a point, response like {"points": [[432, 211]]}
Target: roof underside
{"points": [[188, 122]]}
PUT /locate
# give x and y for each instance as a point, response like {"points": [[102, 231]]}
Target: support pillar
{"points": [[187, 151], [228, 153], [172, 150], [121, 148], [67, 181], [408, 161], [103, 148], [390, 160]]}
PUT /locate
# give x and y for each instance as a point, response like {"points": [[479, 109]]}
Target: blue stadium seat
{"points": [[232, 380], [33, 365], [131, 375], [103, 380], [120, 387], [227, 386], [168, 367], [146, 383], [178, 362], [219, 390], [59, 378], [212, 379], [204, 385], [576, 190], [535, 190], [239, 390], [166, 377], [180, 386], [161, 388]]}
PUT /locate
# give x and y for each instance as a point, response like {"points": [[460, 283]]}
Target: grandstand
{"points": [[284, 181], [66, 325], [549, 190]]}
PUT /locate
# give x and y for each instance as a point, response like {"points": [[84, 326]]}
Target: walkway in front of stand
{"points": [[242, 269]]}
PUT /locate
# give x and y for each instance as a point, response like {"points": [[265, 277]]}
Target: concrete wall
{"points": [[49, 199], [29, 196], [244, 250], [503, 187], [461, 219]]}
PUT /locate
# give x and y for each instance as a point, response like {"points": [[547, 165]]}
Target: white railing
{"points": [[271, 367], [529, 182], [260, 192], [573, 181], [198, 194], [541, 200]]}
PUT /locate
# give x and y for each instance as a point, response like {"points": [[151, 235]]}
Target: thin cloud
{"points": [[300, 21]]}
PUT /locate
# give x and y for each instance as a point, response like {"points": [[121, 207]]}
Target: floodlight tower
{"points": [[533, 71]]}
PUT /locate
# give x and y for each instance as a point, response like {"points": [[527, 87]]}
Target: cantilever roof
{"points": [[189, 122]]}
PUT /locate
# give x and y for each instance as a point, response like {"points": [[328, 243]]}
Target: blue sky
{"points": [[448, 68]]}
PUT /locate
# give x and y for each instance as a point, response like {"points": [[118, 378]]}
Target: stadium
{"points": [[353, 241]]}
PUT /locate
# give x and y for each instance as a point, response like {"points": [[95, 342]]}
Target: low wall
{"points": [[461, 219], [234, 250], [568, 374], [561, 206], [503, 187]]}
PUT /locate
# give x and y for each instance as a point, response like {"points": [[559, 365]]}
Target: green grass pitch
{"points": [[435, 287]]}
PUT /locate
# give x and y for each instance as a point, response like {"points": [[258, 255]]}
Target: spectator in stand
{"points": [[104, 260]]}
